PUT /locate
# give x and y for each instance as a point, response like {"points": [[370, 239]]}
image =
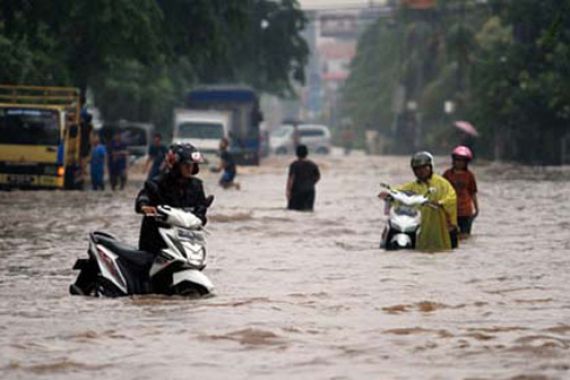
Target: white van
{"points": [[316, 137], [203, 129]]}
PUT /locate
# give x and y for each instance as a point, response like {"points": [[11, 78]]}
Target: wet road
{"points": [[300, 295]]}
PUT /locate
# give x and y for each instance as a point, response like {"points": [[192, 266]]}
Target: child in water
{"points": [[228, 166]]}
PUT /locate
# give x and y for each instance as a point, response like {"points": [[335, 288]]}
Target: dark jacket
{"points": [[165, 189]]}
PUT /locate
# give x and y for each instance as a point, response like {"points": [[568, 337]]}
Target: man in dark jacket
{"points": [[177, 187]]}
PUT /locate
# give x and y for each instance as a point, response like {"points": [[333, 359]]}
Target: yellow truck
{"points": [[40, 137]]}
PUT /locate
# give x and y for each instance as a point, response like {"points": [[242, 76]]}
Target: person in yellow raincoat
{"points": [[438, 229]]}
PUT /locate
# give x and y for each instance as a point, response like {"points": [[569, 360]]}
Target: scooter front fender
{"points": [[402, 240], [194, 276]]}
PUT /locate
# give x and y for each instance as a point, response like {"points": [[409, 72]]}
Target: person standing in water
{"points": [[118, 156], [465, 185], [303, 176], [156, 153], [97, 164], [438, 229]]}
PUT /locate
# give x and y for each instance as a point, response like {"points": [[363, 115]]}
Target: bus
{"points": [[40, 137], [243, 104]]}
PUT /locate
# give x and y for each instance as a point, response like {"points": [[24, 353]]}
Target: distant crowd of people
{"points": [[300, 189], [114, 157]]}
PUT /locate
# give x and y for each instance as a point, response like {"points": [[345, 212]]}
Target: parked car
{"points": [[316, 137]]}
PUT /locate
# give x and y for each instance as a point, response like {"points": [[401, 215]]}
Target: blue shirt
{"points": [[98, 158]]}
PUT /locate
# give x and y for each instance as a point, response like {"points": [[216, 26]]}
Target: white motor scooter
{"points": [[404, 219], [115, 269]]}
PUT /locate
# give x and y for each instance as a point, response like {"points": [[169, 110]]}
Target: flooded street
{"points": [[306, 296]]}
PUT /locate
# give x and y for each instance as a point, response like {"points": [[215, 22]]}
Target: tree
{"points": [[73, 41], [367, 93], [521, 96], [272, 53], [510, 79], [140, 56]]}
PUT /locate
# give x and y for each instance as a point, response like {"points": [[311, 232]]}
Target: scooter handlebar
{"points": [[179, 217]]}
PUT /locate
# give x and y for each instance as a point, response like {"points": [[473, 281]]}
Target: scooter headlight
{"points": [[189, 235], [191, 243], [195, 254]]}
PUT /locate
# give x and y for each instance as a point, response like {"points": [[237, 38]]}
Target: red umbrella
{"points": [[466, 127]]}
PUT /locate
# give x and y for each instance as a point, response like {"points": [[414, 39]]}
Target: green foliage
{"points": [[273, 51], [26, 58], [257, 42], [140, 56], [367, 94], [522, 95], [506, 66]]}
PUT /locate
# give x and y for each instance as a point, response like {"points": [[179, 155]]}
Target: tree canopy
{"points": [[504, 64], [140, 56]]}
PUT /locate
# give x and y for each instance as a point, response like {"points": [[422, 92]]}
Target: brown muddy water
{"points": [[299, 295]]}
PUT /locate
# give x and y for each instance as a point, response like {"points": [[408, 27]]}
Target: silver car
{"points": [[316, 137]]}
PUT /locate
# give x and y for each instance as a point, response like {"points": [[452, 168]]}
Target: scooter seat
{"points": [[135, 256]]}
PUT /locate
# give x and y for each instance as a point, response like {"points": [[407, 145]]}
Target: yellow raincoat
{"points": [[436, 222]]}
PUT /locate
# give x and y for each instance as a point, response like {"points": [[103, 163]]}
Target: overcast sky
{"points": [[335, 4]]}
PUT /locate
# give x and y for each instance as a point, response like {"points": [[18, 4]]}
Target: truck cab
{"points": [[40, 137], [201, 128]]}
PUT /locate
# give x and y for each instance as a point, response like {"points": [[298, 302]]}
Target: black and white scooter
{"points": [[115, 269], [404, 219]]}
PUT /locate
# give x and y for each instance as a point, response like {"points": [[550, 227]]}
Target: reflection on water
{"points": [[300, 294]]}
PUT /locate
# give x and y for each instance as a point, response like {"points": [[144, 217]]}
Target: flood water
{"points": [[300, 295]]}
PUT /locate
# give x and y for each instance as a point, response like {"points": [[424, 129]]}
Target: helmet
{"points": [[462, 152], [184, 154], [421, 158]]}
